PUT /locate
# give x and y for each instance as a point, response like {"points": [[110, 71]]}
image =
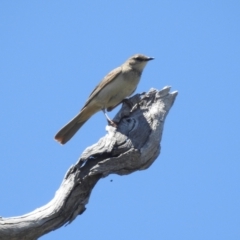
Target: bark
{"points": [[134, 145]]}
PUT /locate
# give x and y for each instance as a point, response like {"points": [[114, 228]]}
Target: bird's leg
{"points": [[111, 122], [128, 102]]}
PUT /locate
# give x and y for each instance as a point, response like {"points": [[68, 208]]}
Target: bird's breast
{"points": [[118, 89]]}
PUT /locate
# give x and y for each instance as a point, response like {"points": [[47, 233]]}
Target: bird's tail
{"points": [[69, 130]]}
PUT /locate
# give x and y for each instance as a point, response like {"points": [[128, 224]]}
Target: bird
{"points": [[117, 85]]}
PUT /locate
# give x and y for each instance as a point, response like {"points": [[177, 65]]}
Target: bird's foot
{"points": [[112, 123], [109, 120], [128, 102]]}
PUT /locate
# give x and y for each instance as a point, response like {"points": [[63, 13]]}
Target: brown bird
{"points": [[111, 91]]}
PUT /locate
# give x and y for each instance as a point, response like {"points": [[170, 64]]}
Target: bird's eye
{"points": [[138, 59]]}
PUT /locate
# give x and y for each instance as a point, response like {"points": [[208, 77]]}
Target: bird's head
{"points": [[138, 61]]}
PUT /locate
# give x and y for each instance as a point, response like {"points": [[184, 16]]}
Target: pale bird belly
{"points": [[117, 90]]}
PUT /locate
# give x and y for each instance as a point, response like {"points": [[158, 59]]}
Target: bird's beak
{"points": [[150, 58]]}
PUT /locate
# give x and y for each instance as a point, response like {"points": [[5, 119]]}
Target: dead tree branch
{"points": [[134, 145]]}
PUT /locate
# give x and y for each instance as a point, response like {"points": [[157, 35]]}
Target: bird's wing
{"points": [[106, 80]]}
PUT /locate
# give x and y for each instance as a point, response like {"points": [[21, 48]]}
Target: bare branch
{"points": [[132, 146]]}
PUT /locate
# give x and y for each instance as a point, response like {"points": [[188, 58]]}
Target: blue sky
{"points": [[53, 53]]}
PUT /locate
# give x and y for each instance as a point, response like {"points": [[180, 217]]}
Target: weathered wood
{"points": [[133, 146]]}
